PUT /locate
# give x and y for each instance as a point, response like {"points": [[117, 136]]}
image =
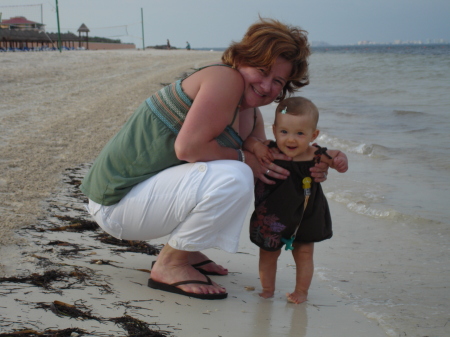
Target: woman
{"points": [[177, 167]]}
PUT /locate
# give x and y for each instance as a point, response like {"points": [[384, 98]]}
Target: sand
{"points": [[57, 111], [109, 284]]}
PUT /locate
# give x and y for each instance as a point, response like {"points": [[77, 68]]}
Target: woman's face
{"points": [[262, 86]]}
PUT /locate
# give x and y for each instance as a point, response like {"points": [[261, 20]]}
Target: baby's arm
{"points": [[259, 149], [338, 160]]}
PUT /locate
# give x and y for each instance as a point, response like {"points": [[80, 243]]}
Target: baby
{"points": [[293, 211]]}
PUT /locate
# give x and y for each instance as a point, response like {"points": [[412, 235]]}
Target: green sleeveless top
{"points": [[145, 146]]}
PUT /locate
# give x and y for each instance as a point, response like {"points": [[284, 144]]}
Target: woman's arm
{"points": [[216, 92]]}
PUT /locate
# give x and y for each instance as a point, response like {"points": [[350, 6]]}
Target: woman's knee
{"points": [[240, 178], [227, 183]]}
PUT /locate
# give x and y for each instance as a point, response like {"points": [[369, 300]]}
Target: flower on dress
{"points": [[273, 241], [277, 227], [270, 219]]}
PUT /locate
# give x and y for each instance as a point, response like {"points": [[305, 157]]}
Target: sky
{"points": [[216, 23]]}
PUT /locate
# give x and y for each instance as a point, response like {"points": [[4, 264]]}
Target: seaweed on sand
{"points": [[46, 279], [137, 328], [68, 310], [41, 280], [133, 326], [80, 225], [69, 332], [76, 225], [131, 246]]}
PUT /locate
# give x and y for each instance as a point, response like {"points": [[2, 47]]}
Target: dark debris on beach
{"points": [[133, 326], [75, 224], [40, 280], [70, 332], [137, 328], [82, 223], [57, 234], [129, 245], [63, 309], [65, 279]]}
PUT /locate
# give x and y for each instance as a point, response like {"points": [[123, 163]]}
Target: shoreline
{"points": [[373, 278]]}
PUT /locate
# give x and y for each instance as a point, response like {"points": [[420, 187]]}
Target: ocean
{"points": [[388, 108]]}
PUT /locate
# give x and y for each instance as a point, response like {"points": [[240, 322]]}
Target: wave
{"points": [[422, 130], [372, 150], [345, 114], [408, 113], [410, 49], [363, 206]]}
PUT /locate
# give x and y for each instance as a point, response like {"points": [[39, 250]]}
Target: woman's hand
{"points": [[267, 171], [319, 172]]}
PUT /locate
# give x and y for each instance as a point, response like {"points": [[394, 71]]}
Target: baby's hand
{"points": [[340, 163], [263, 153]]}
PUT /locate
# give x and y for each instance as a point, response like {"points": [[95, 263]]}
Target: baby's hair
{"points": [[298, 106]]}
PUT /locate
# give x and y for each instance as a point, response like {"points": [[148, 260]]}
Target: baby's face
{"points": [[294, 134]]}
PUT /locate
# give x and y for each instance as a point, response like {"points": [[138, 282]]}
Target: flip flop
{"points": [[203, 271], [172, 288]]}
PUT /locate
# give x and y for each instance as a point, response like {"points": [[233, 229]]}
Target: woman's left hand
{"points": [[319, 172], [265, 172], [270, 171]]}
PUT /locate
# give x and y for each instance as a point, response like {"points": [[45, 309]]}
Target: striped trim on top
{"points": [[171, 104]]}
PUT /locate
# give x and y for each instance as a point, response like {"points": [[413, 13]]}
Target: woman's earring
{"points": [[280, 95]]}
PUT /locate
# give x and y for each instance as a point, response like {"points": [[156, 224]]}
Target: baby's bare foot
{"points": [[266, 294], [297, 297]]}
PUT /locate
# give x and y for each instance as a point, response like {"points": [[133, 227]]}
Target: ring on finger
{"points": [[324, 175], [267, 172]]}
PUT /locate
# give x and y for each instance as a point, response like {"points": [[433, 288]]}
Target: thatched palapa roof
{"points": [[83, 29], [34, 36]]}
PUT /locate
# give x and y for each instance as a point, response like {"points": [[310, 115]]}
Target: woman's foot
{"points": [[197, 260], [297, 297], [173, 266]]}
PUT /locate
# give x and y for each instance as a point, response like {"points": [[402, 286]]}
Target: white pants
{"points": [[201, 205]]}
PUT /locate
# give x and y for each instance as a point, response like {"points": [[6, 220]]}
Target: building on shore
{"points": [[19, 33]]}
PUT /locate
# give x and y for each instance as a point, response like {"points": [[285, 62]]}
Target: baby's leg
{"points": [[303, 256], [268, 271]]}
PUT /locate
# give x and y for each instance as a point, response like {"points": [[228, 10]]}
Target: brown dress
{"points": [[279, 209]]}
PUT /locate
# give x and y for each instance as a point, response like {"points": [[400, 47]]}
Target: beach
{"points": [[59, 109], [377, 276]]}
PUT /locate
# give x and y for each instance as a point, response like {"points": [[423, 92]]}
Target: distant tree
{"points": [[103, 39]]}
